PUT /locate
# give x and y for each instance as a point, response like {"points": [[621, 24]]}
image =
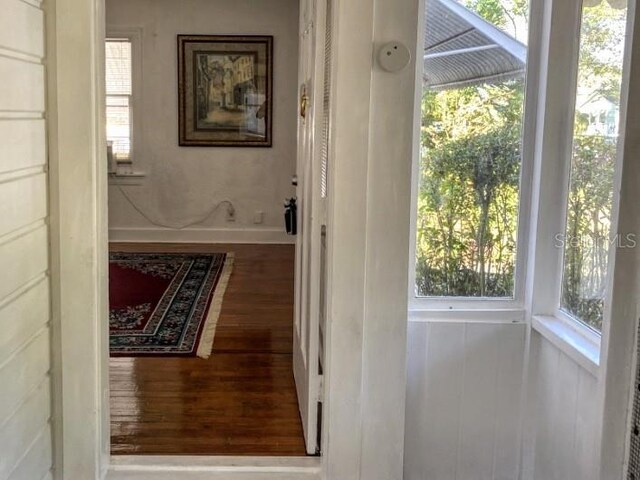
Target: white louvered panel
{"points": [[21, 27], [463, 401], [24, 371], [326, 102], [22, 202], [26, 257], [37, 460], [22, 86], [20, 431], [23, 144]]}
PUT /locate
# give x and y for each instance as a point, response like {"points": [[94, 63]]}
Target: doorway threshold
{"points": [[159, 467]]}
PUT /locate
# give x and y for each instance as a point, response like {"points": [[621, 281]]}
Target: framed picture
{"points": [[225, 90]]}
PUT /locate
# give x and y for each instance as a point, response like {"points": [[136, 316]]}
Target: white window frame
{"points": [[499, 309], [134, 35], [551, 79], [570, 334]]}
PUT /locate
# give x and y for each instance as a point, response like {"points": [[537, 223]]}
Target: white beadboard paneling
{"points": [[23, 144], [478, 416], [415, 429], [506, 461], [464, 391], [21, 27], [23, 201], [26, 257], [564, 409], [24, 372], [36, 462], [22, 86], [25, 357], [23, 316], [585, 437], [19, 432]]}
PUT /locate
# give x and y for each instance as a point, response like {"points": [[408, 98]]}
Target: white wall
{"points": [[184, 183], [464, 392], [562, 425], [25, 430]]}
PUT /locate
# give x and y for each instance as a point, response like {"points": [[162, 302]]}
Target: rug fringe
{"points": [[209, 330]]}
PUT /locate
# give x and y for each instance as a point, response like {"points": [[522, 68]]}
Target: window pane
{"points": [[118, 67], [586, 238], [119, 126], [472, 111], [119, 89]]}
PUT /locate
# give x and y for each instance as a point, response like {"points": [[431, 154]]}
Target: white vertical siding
{"points": [[563, 429], [25, 399], [464, 391]]}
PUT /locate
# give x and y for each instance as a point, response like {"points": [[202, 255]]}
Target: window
{"points": [[119, 88], [586, 239], [470, 148]]}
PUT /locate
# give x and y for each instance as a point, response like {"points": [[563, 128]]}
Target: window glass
{"points": [[586, 240], [471, 129], [119, 90]]}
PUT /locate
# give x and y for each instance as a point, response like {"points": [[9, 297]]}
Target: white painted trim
{"points": [[620, 325], [364, 414], [469, 315], [78, 212], [529, 54], [346, 242], [152, 467], [462, 303], [135, 34], [571, 339], [201, 235]]}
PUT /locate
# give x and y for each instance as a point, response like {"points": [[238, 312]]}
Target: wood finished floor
{"points": [[242, 400]]}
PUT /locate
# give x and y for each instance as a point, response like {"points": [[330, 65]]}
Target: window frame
{"points": [[475, 308], [134, 35], [582, 328], [551, 79], [572, 335]]}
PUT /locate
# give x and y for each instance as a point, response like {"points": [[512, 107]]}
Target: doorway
{"points": [[174, 201]]}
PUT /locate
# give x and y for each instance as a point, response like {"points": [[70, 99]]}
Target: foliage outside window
{"points": [[586, 240], [469, 177]]}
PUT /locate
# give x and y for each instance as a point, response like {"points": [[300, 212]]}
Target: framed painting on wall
{"points": [[225, 90]]}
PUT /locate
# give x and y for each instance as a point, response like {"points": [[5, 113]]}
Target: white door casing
{"points": [[364, 390]]}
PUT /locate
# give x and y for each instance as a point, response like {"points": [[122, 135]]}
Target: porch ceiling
{"points": [[461, 48]]}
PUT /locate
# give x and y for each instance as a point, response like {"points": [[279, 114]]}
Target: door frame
{"points": [[366, 264]]}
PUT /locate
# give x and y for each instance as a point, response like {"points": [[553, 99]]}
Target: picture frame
{"points": [[225, 90]]}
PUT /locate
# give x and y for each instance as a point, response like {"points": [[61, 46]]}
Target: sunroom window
{"points": [[586, 240], [470, 148]]}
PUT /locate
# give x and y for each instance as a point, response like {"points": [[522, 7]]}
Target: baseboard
{"points": [[201, 235], [213, 468]]}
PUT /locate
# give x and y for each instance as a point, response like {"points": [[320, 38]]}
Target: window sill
{"points": [[132, 178], [575, 341], [467, 315]]}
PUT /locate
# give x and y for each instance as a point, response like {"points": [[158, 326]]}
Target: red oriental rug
{"points": [[165, 304]]}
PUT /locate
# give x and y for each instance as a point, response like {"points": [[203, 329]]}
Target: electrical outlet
{"points": [[231, 213], [258, 217]]}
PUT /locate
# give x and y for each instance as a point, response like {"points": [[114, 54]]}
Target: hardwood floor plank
{"points": [[242, 400]]}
